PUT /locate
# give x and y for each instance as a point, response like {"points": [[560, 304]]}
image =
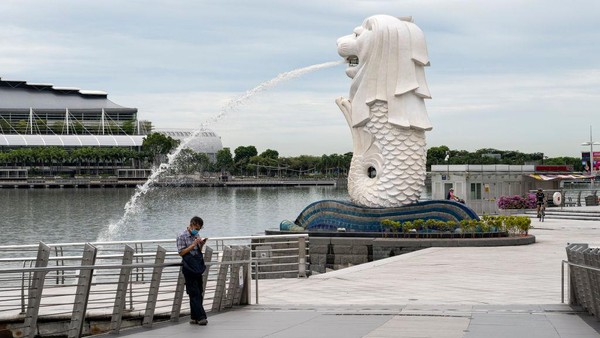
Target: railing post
{"points": [[302, 257], [154, 285], [218, 300], [178, 297], [35, 291], [82, 293], [60, 274], [236, 281], [208, 253], [247, 277], [562, 282], [256, 281], [121, 295]]}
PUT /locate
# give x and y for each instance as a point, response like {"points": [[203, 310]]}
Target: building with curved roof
{"points": [[40, 114], [200, 141]]}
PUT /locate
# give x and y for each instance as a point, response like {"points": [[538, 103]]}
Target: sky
{"points": [[506, 74]]}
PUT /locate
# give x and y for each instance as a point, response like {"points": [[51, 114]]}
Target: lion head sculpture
{"points": [[386, 58]]}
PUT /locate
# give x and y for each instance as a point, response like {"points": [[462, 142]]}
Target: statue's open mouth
{"points": [[352, 61]]}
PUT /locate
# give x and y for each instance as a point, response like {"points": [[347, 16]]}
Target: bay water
{"points": [[28, 216]]}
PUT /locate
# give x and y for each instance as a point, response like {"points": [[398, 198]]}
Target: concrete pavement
{"points": [[438, 292]]}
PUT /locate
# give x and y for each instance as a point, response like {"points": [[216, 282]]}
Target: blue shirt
{"points": [[184, 240]]}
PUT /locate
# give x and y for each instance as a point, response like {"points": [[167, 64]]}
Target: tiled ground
{"points": [[438, 292]]}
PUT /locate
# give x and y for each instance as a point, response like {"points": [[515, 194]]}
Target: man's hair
{"points": [[196, 221]]}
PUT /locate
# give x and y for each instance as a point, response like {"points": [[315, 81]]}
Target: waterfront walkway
{"points": [[438, 292]]}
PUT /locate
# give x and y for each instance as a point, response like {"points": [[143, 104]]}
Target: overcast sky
{"points": [[506, 74]]}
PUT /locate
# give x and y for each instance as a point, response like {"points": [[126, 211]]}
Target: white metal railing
{"points": [[572, 197], [143, 275]]}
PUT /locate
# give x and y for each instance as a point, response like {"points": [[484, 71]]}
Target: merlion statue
{"points": [[386, 110]]}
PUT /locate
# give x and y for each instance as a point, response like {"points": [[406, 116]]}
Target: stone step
{"points": [[567, 214]]}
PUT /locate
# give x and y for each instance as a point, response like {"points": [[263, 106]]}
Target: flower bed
{"points": [[517, 202]]}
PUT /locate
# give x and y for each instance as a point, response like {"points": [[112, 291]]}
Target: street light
{"points": [[591, 143]]}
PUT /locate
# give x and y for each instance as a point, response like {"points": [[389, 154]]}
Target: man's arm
{"points": [[183, 250]]}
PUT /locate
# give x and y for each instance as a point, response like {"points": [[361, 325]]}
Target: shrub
{"points": [[407, 226], [390, 225], [513, 225], [517, 202]]}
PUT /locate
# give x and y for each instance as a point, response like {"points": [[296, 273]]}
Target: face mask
{"points": [[194, 232]]}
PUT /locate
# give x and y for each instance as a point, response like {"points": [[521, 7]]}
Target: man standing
{"points": [[189, 246]]}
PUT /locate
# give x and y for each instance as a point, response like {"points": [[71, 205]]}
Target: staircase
{"points": [[557, 213]]}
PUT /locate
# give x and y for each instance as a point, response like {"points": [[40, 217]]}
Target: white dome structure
{"points": [[206, 142]]}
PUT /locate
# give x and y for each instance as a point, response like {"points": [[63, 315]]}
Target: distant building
{"points": [[206, 141], [43, 115], [39, 114], [481, 185]]}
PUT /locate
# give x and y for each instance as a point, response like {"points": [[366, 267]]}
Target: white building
{"points": [[205, 141], [481, 185], [39, 115]]}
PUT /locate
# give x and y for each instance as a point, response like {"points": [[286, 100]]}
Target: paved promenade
{"points": [[438, 292]]}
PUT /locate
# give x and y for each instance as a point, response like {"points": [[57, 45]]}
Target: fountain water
{"points": [[131, 207]]}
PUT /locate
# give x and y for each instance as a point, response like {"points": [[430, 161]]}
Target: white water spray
{"points": [[231, 106]]}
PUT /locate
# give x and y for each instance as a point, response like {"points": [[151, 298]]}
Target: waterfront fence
{"points": [[75, 289]]}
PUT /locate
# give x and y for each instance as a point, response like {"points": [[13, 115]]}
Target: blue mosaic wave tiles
{"points": [[329, 215]]}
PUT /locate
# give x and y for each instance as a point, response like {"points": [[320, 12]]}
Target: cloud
{"points": [[512, 73]]}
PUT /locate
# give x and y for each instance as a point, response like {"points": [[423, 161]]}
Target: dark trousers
{"points": [[193, 287]]}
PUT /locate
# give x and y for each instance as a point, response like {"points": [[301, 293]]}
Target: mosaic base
{"points": [[330, 215]]}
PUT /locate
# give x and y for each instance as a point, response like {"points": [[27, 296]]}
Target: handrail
{"points": [[158, 241], [562, 276], [115, 266]]}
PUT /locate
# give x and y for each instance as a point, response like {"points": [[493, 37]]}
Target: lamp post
{"points": [[591, 143]]}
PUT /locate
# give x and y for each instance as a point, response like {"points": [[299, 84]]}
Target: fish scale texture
{"points": [[398, 156]]}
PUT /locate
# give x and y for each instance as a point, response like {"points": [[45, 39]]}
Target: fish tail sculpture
{"points": [[386, 111]]}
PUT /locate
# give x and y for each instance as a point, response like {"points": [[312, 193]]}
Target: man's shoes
{"points": [[202, 322], [193, 322]]}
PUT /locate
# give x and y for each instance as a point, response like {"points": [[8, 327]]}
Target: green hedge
{"points": [[513, 225]]}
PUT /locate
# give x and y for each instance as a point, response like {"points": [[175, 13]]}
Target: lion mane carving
{"points": [[386, 110]]}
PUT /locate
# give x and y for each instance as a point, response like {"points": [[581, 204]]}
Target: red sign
{"points": [[553, 168]]}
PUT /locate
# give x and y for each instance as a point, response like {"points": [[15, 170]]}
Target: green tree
{"points": [[244, 153], [574, 161], [242, 158], [224, 160], [190, 162], [436, 155], [56, 156], [270, 153], [157, 144], [4, 158]]}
